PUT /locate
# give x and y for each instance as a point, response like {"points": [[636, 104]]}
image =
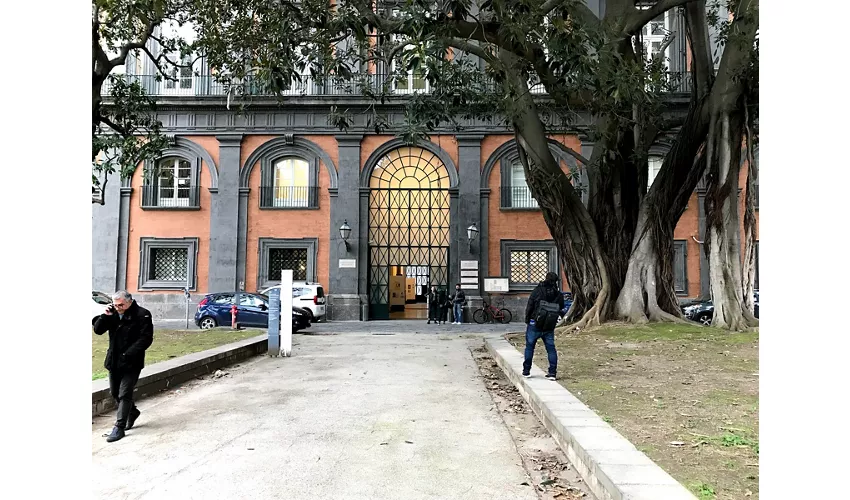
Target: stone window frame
{"points": [[511, 156], [508, 246], [683, 245], [148, 243], [182, 149], [266, 244], [267, 176]]}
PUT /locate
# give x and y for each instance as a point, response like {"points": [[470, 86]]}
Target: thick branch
{"points": [[639, 17], [472, 49], [125, 50]]}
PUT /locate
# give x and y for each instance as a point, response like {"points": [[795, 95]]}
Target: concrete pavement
{"points": [[349, 416]]}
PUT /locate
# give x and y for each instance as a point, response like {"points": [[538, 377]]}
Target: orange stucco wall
{"points": [[172, 223], [288, 223]]}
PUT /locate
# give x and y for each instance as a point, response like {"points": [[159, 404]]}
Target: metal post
{"points": [[274, 322], [186, 292], [286, 309]]}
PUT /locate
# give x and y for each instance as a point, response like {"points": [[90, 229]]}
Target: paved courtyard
{"points": [[358, 412]]}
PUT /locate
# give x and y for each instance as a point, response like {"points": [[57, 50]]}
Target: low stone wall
{"points": [[612, 467], [167, 374], [169, 306]]}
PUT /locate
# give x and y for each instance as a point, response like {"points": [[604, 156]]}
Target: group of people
{"points": [[439, 303]]}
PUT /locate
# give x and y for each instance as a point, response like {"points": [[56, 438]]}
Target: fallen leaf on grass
{"points": [[409, 442], [677, 443], [382, 444]]}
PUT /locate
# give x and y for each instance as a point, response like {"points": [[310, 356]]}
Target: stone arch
{"points": [[508, 152], [279, 147], [192, 152], [387, 147]]}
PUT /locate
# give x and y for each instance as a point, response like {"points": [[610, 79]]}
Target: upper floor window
{"points": [[181, 80], [291, 184], [171, 184], [654, 35]]}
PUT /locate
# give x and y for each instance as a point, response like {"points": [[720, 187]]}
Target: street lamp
{"points": [[345, 232], [471, 233]]}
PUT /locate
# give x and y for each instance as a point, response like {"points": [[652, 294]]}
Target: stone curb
{"points": [[612, 467], [166, 374]]}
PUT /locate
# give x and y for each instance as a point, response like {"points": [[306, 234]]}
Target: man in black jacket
{"points": [[547, 290], [457, 302], [130, 330]]}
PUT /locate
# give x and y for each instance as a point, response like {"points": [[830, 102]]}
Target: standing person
{"points": [[433, 306], [541, 316], [457, 302], [445, 303], [130, 330]]}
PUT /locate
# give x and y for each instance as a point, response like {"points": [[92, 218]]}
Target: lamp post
{"points": [[345, 233], [471, 233]]}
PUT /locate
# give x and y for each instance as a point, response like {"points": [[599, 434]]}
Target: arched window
{"points": [[520, 194], [172, 183], [290, 182]]}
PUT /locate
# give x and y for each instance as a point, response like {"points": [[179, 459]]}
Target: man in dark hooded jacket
{"points": [[546, 291], [130, 330]]}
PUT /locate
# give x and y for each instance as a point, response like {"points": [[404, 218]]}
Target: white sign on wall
{"points": [[347, 263], [469, 273], [467, 286], [469, 264], [469, 280], [496, 284]]}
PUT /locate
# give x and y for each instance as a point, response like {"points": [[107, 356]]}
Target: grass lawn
{"points": [[169, 344], [686, 396]]}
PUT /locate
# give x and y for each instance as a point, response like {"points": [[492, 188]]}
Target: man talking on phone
{"points": [[130, 330]]}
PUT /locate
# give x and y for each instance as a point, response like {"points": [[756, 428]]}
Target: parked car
{"points": [[99, 302], [252, 310], [703, 311], [307, 295]]}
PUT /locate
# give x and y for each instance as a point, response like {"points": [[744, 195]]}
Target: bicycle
{"points": [[490, 313]]}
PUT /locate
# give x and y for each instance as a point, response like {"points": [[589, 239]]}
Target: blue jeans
{"points": [[458, 312], [531, 336]]}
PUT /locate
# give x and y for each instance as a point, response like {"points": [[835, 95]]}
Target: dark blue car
{"points": [[252, 311], [568, 301]]}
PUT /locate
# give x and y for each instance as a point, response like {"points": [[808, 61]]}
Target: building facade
{"points": [[246, 192]]}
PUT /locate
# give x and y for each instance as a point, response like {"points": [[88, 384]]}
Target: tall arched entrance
{"points": [[409, 215]]}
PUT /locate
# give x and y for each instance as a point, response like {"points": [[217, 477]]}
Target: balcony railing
{"points": [[292, 197], [170, 197], [517, 197], [209, 86]]}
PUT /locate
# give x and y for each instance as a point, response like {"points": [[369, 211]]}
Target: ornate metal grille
{"points": [[408, 221], [169, 264], [529, 266], [288, 258]]}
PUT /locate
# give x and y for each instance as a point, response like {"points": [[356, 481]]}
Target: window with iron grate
{"points": [[287, 258], [529, 266], [169, 264]]}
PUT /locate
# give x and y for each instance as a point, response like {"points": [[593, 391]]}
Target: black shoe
{"points": [[117, 433], [550, 376], [429, 322], [526, 375], [134, 414]]}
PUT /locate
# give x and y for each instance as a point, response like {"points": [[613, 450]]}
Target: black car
{"points": [[252, 311], [703, 311]]}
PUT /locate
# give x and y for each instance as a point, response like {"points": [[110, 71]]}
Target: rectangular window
{"points": [[175, 183], [680, 270], [529, 266], [275, 255], [515, 190], [168, 263], [655, 163], [288, 258], [526, 263]]}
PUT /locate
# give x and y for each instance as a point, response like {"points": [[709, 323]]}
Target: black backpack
{"points": [[547, 313]]}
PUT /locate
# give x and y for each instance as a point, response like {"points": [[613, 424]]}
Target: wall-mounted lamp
{"points": [[471, 233], [345, 232]]}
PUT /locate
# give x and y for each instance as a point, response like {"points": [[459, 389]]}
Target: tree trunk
{"points": [[568, 220], [648, 293], [723, 224], [750, 225]]}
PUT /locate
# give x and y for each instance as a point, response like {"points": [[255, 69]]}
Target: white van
{"points": [[307, 295]]}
